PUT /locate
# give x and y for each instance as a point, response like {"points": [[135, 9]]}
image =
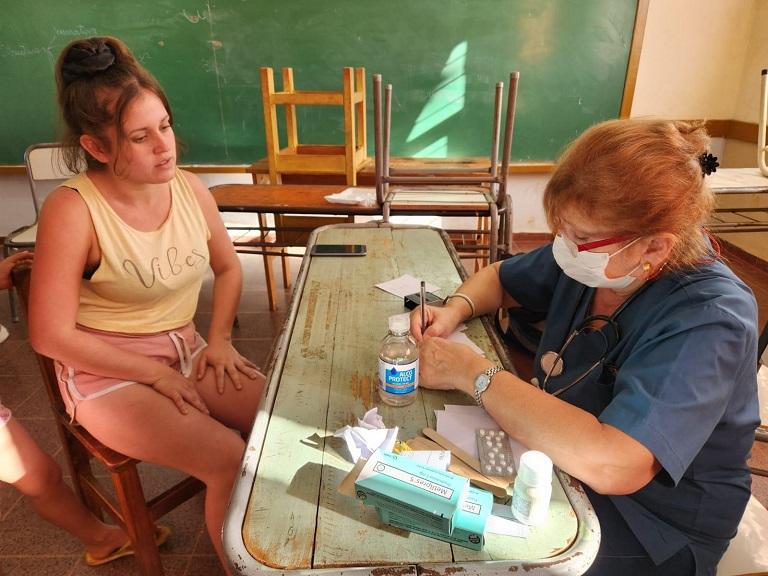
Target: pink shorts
{"points": [[175, 348], [5, 415]]}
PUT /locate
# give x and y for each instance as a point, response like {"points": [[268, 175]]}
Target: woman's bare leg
{"points": [[35, 474], [234, 408], [141, 423]]}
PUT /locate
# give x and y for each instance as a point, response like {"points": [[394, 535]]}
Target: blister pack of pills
{"points": [[495, 455]]}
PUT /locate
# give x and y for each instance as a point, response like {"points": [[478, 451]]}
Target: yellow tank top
{"points": [[146, 282]]}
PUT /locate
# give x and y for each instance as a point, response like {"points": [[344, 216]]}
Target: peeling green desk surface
{"points": [[322, 376]]}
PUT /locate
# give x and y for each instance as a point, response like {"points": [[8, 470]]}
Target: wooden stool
{"points": [[345, 159], [298, 158]]}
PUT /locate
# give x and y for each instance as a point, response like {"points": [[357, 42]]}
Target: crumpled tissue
{"points": [[369, 435], [363, 196]]}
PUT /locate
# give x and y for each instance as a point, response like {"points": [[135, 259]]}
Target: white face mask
{"points": [[589, 267]]}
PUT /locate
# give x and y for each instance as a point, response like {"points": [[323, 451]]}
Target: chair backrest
{"points": [[45, 164], [495, 176]]}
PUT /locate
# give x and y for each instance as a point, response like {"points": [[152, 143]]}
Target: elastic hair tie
{"points": [[708, 163], [87, 60]]}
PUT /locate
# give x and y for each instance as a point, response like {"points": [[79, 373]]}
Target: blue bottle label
{"points": [[398, 378]]}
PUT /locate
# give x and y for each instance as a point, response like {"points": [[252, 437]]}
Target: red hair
{"points": [[640, 176]]}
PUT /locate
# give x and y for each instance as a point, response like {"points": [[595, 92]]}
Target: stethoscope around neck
{"points": [[552, 362]]}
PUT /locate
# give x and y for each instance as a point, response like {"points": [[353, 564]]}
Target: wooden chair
{"points": [[128, 507], [295, 158], [453, 191]]}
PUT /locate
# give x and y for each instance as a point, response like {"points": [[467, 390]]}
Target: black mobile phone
{"points": [[338, 250], [413, 300]]}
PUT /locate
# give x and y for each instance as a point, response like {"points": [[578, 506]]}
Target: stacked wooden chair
{"points": [[344, 159]]}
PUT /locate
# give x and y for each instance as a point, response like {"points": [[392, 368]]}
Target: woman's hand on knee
{"points": [[182, 392], [224, 359]]}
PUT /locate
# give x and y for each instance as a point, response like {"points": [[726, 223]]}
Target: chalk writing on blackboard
{"points": [[25, 51], [22, 51], [79, 31], [194, 18]]}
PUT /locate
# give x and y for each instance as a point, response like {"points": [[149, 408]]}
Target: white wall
{"points": [[692, 58], [17, 209], [739, 153], [756, 59]]}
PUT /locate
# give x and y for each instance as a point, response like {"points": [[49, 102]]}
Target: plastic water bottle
{"points": [[398, 363]]}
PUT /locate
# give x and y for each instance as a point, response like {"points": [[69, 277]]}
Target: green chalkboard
{"points": [[443, 58]]}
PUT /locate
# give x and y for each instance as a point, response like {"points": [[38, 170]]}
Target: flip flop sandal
{"points": [[161, 535]]}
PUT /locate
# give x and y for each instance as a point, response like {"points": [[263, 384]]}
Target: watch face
{"points": [[481, 382]]}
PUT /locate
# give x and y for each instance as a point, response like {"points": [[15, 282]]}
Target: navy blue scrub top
{"points": [[682, 380]]}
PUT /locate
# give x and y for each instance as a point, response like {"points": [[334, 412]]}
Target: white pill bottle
{"points": [[533, 488]]}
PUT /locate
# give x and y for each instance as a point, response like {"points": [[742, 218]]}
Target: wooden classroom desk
{"points": [[742, 200], [285, 512], [744, 180], [367, 174], [310, 199], [285, 198]]}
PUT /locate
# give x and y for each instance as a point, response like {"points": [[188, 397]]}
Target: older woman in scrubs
{"points": [[645, 376]]}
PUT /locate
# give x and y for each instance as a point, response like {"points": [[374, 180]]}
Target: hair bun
{"points": [[87, 59]]}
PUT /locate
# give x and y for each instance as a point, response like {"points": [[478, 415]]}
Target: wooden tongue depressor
{"points": [[496, 486], [462, 463]]}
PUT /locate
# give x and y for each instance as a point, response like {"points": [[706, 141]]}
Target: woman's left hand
{"points": [[224, 359], [446, 365]]}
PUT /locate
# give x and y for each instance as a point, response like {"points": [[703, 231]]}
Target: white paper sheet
{"points": [[458, 423], [461, 337], [501, 521], [405, 285], [435, 458]]}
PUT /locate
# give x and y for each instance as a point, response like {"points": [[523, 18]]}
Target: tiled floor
{"points": [[30, 547]]}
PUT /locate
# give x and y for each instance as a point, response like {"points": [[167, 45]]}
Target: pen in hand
{"points": [[423, 301]]}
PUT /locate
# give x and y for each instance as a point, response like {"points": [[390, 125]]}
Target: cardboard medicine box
{"points": [[468, 521], [426, 496]]}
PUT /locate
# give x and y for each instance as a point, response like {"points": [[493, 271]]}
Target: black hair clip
{"points": [[708, 164]]}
